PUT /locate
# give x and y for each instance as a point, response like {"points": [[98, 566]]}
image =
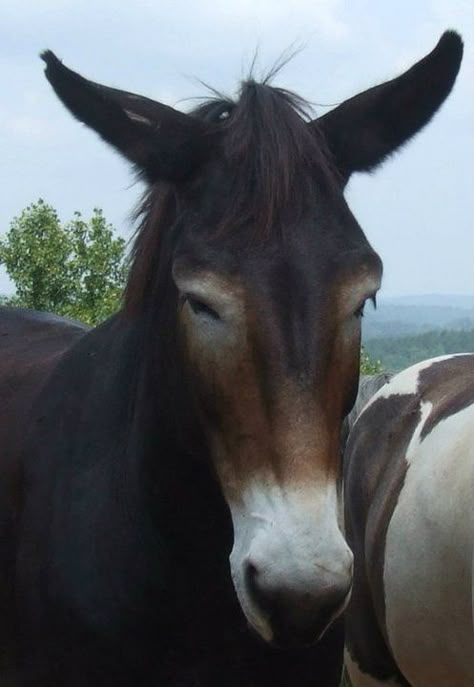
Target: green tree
{"points": [[77, 269], [397, 353], [369, 366]]}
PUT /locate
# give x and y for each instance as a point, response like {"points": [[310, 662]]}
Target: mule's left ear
{"points": [[162, 142], [364, 130]]}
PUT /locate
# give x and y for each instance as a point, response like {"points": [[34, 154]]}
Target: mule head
{"points": [[270, 272]]}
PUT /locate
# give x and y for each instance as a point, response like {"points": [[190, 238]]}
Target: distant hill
{"points": [[409, 315], [396, 353], [437, 299]]}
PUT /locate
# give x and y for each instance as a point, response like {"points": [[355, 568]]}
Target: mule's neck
{"points": [[173, 466]]}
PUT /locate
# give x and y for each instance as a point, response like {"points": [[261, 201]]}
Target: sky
{"points": [[417, 210]]}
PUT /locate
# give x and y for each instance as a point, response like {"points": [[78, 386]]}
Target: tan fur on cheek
{"points": [[290, 438], [222, 374]]}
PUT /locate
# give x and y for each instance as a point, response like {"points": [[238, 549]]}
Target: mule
{"points": [[176, 468], [409, 513]]}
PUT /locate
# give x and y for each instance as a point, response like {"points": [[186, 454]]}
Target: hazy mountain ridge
{"points": [[437, 299], [407, 329], [409, 315]]}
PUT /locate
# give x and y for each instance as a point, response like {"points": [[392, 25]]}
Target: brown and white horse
{"points": [[409, 495]]}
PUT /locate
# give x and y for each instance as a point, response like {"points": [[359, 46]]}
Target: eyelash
{"points": [[359, 313], [200, 308]]}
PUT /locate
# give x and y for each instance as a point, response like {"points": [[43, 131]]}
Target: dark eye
{"points": [[359, 313], [200, 308]]}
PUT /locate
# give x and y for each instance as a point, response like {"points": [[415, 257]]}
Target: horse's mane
{"points": [[275, 157]]}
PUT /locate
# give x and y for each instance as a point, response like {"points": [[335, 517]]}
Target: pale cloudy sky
{"points": [[418, 210]]}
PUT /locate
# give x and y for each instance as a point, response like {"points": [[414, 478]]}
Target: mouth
{"points": [[270, 630], [334, 616]]}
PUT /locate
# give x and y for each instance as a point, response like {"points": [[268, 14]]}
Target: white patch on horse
{"points": [[360, 679], [428, 571], [290, 534], [405, 383]]}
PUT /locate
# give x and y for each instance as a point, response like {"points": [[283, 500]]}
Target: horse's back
{"points": [[30, 345], [410, 518], [29, 341], [24, 329]]}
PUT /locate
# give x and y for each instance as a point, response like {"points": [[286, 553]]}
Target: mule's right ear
{"points": [[364, 130], [162, 142]]}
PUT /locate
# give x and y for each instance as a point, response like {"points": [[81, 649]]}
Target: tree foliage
{"points": [[368, 365], [398, 353], [76, 269]]}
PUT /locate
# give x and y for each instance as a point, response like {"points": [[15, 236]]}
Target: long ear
{"points": [[162, 142], [367, 128]]}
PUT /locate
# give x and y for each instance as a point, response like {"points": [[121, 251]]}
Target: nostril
{"points": [[251, 575], [256, 587], [251, 570]]}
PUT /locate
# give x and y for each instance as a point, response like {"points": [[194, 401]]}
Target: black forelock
{"points": [[275, 160], [275, 156]]}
